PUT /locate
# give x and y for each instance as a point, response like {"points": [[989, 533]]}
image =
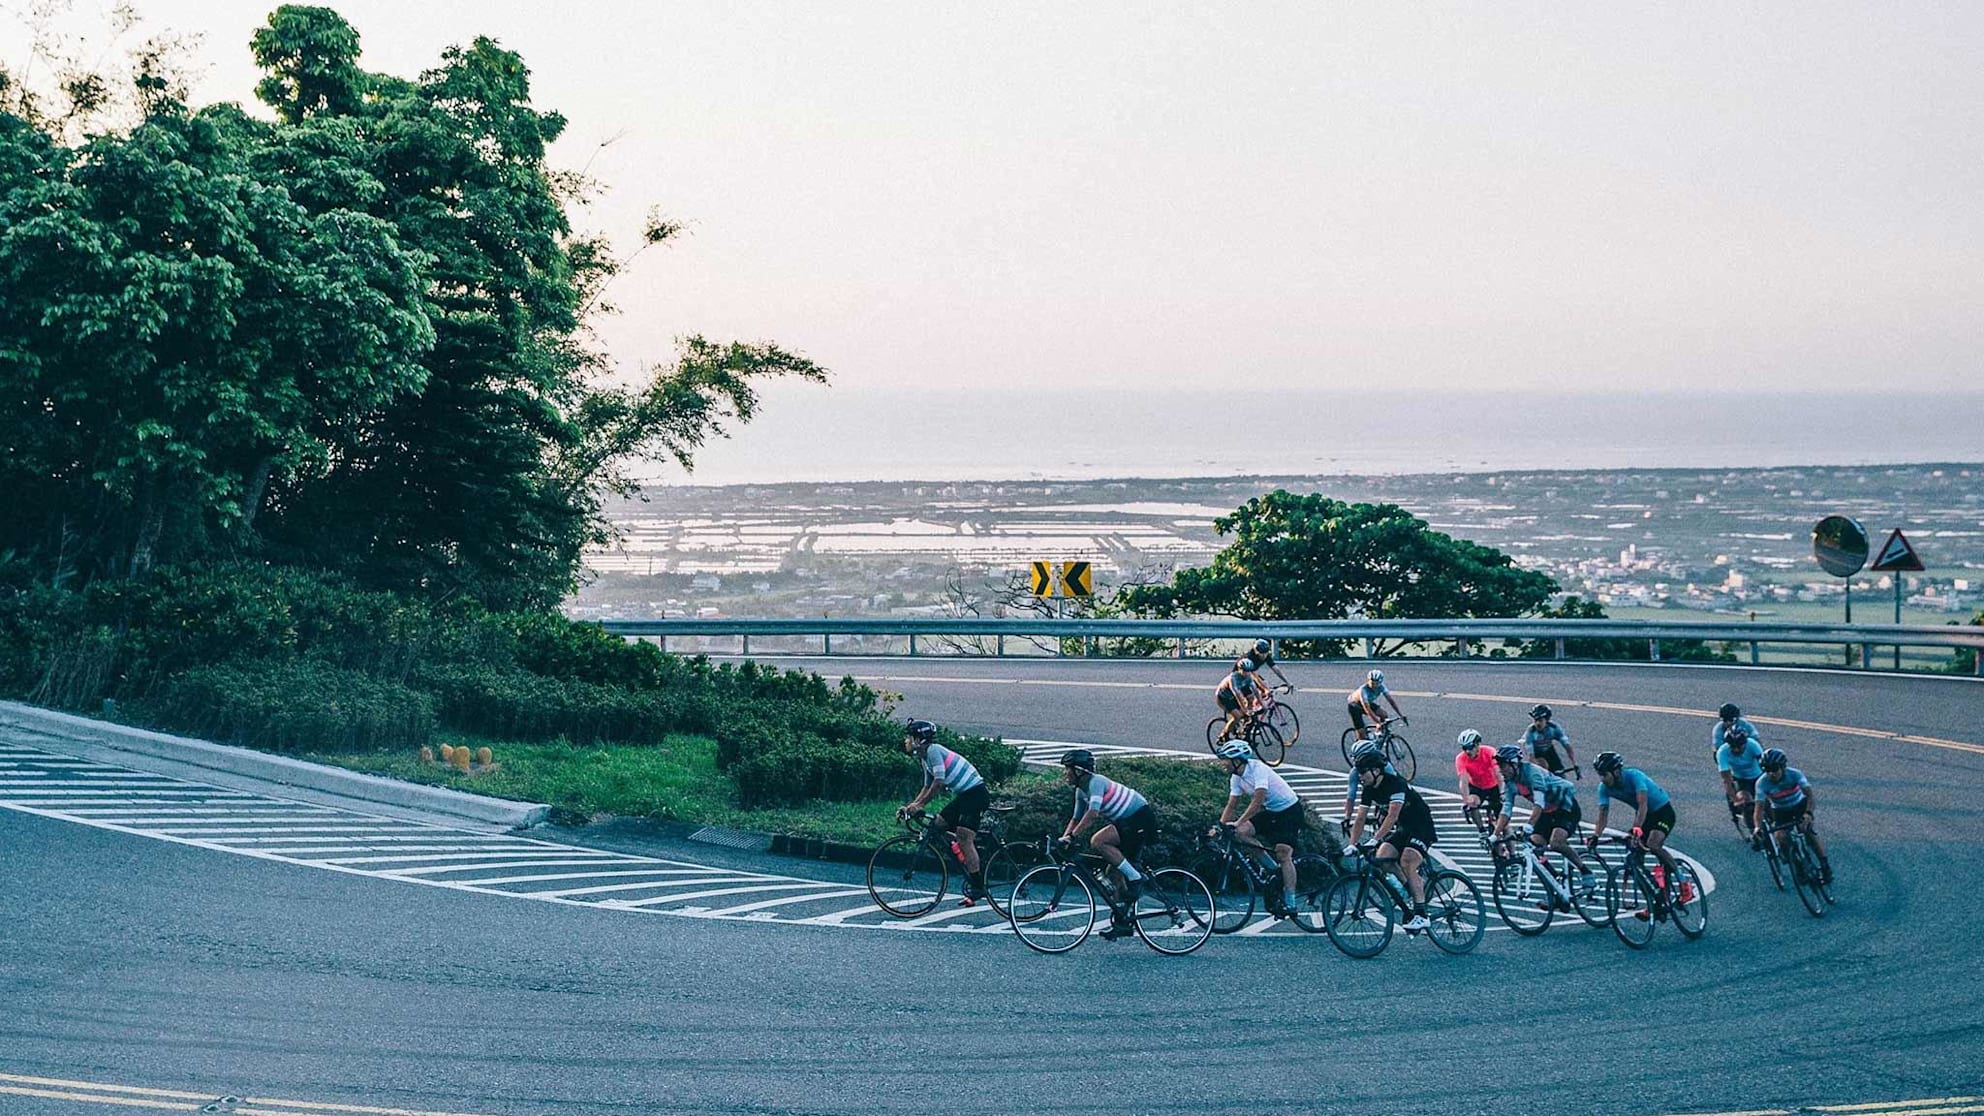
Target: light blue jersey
{"points": [[1721, 730], [1633, 785], [1743, 766], [1540, 787]]}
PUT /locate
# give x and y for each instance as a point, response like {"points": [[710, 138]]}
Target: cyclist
{"points": [[1479, 780], [1653, 815], [1729, 717], [1270, 814], [1784, 793], [1548, 744], [945, 769], [1240, 695], [1351, 793], [1262, 656], [1740, 760], [1127, 822], [1405, 834], [1554, 821], [1364, 700]]}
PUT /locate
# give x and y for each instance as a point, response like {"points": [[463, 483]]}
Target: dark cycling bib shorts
{"points": [[1661, 819], [967, 810], [1133, 831], [1491, 797], [1227, 701], [1566, 820], [1278, 827]]}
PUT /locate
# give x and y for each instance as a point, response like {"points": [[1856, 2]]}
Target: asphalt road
{"points": [[150, 965]]}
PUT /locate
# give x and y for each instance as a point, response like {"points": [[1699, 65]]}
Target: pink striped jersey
{"points": [[1115, 800], [941, 765]]}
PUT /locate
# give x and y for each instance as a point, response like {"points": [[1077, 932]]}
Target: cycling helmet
{"points": [[1236, 750], [1375, 677], [923, 732], [1078, 757], [1468, 740], [1371, 760], [1262, 646], [1775, 758], [1244, 666], [1608, 762], [1729, 712], [1734, 735], [1540, 713], [1365, 748], [1509, 754]]}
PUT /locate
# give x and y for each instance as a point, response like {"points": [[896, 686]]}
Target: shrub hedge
{"points": [[293, 707]]}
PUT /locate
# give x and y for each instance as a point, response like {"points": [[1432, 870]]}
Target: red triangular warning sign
{"points": [[1896, 554]]}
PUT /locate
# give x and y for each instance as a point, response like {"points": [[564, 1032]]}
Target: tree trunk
{"points": [[258, 489], [151, 521]]}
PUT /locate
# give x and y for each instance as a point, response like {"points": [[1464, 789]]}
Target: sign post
{"points": [[1897, 556], [1839, 544]]}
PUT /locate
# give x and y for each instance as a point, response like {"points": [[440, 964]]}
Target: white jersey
{"points": [[941, 765], [1259, 776]]}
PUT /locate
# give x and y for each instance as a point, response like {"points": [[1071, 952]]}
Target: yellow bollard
{"points": [[461, 759], [485, 756], [447, 753]]}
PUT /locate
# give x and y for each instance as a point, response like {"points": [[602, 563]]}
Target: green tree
{"points": [[1313, 558]]}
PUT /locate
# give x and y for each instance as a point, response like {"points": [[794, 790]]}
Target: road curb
{"points": [[280, 770]]}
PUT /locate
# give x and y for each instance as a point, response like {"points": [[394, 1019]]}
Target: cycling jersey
{"points": [[1721, 730], [1368, 695], [941, 765], [1238, 683], [1481, 771], [1258, 776], [1261, 659], [1356, 788], [1541, 787], [1414, 817], [1786, 792], [1113, 799], [1546, 739], [1744, 766], [1633, 784]]}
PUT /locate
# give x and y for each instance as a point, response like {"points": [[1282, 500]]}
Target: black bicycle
{"points": [[1362, 908], [1233, 869], [1802, 864], [909, 875], [1637, 904], [1054, 905], [1397, 751], [1270, 732]]}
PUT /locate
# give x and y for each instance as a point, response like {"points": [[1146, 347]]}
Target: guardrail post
{"points": [[1368, 648], [1181, 647], [662, 643], [746, 650], [1653, 649], [1001, 646], [1560, 647], [912, 643], [1866, 656], [1753, 652], [826, 644], [1460, 647]]}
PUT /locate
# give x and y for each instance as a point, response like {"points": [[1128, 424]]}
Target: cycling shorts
{"points": [[1278, 827], [967, 810], [1356, 715], [1133, 831], [1422, 839], [1661, 819], [1566, 820], [1551, 761], [1227, 701], [1792, 816], [1491, 799]]}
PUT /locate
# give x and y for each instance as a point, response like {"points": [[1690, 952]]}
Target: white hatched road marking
{"points": [[354, 843]]}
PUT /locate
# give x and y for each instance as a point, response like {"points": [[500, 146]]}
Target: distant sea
{"points": [[809, 433]]}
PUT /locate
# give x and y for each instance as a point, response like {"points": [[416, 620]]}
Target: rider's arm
{"points": [[1260, 795], [1283, 678], [923, 796], [1393, 702], [1385, 827], [1598, 823], [1357, 826], [1728, 784], [1077, 825], [1226, 815], [1570, 753], [1811, 800]]}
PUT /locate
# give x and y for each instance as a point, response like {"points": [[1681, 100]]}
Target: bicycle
{"points": [[1238, 879], [1361, 909], [1261, 735], [918, 864], [1053, 905], [1398, 753], [1803, 864], [1632, 889], [1531, 885], [1740, 815]]}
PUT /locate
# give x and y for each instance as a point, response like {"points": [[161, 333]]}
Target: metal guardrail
{"points": [[1461, 633]]}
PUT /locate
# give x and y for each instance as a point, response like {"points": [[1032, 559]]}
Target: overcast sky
{"points": [[1333, 197]]}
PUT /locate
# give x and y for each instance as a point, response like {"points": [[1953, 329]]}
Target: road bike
{"points": [[1053, 906], [1532, 885], [1801, 863], [1361, 909], [910, 874], [1270, 732], [1636, 904], [1742, 817], [1398, 753], [1239, 879]]}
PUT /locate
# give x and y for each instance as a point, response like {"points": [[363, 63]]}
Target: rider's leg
{"points": [[1560, 839], [1657, 841], [1409, 860], [968, 845], [1284, 855]]}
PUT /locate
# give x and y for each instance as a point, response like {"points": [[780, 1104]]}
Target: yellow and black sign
{"points": [[1075, 580], [1071, 579]]}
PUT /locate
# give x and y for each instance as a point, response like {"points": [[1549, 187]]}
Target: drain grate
{"points": [[731, 838]]}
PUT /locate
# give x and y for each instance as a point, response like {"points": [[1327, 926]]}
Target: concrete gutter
{"points": [[50, 729]]}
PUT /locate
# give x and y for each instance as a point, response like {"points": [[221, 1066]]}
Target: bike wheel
{"points": [[1313, 876], [906, 877], [1592, 907], [1805, 877], [1522, 898], [1350, 738], [1775, 861], [1053, 909], [1455, 918], [1691, 917], [1359, 915], [1286, 723], [1232, 892], [1002, 871], [1174, 911], [1400, 753], [1628, 905], [1267, 743], [1214, 728]]}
